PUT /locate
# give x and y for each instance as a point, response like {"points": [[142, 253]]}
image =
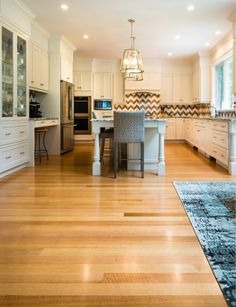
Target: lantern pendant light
{"points": [[131, 64]]}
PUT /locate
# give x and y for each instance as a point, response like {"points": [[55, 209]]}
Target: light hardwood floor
{"points": [[70, 239]]}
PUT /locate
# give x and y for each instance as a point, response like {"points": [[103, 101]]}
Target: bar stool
{"points": [[40, 133], [128, 128]]}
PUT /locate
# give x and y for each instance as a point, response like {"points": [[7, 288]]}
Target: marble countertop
{"points": [[203, 117]]}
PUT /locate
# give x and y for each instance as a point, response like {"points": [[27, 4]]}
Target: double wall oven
{"points": [[82, 114]]}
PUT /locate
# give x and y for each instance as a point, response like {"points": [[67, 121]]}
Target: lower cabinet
{"points": [[210, 137], [14, 151], [175, 129]]}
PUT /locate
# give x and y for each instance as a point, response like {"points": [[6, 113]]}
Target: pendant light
{"points": [[131, 64]]}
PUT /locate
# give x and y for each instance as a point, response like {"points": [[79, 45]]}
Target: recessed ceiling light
{"points": [[217, 32], [207, 44], [169, 53], [177, 36], [85, 36], [64, 7], [190, 7]]}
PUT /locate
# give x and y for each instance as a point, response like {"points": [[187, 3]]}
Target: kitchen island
{"points": [[154, 154]]}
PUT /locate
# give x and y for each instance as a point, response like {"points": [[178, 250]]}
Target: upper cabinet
{"points": [[103, 85], [202, 80], [14, 67], [118, 86], [38, 68], [66, 68], [182, 88], [166, 88], [151, 81], [176, 88], [83, 80]]}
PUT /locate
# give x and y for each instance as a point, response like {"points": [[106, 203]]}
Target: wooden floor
{"points": [[70, 239]]}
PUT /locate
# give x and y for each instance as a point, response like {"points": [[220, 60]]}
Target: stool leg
{"points": [[142, 159], [102, 148], [39, 147], [115, 159], [44, 135]]}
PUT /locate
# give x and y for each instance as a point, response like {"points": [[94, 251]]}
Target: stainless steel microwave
{"points": [[102, 104]]}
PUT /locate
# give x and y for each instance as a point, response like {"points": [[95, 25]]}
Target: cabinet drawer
{"points": [[220, 138], [46, 123], [13, 133], [220, 154], [12, 156], [220, 126]]}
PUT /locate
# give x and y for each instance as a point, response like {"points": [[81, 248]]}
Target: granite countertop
{"points": [[203, 117], [43, 118]]}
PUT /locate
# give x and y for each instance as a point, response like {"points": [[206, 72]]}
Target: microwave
{"points": [[102, 104]]}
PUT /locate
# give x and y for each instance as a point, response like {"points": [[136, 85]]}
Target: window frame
{"points": [[223, 58]]}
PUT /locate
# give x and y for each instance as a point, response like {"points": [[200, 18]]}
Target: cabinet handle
{"points": [[8, 133], [222, 156], [21, 132], [8, 157], [222, 139], [67, 78], [22, 153], [32, 81], [42, 84]]}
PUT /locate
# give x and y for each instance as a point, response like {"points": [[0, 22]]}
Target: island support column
{"points": [[161, 169], [96, 156]]}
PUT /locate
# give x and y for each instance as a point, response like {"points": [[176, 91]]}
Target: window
{"points": [[224, 83]]}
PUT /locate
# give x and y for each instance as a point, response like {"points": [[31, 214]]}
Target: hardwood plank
{"points": [[70, 239]]}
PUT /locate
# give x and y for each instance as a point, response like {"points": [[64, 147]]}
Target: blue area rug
{"points": [[211, 208]]}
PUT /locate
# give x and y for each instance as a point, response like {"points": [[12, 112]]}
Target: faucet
{"points": [[215, 112]]}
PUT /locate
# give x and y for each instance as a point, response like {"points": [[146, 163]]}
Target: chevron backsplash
{"points": [[150, 102]]}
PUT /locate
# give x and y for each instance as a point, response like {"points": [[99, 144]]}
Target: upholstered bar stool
{"points": [[128, 128], [40, 147]]}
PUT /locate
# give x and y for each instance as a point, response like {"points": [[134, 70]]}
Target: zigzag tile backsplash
{"points": [[150, 102]]}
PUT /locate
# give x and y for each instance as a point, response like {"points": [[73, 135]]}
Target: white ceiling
{"points": [[157, 22]]}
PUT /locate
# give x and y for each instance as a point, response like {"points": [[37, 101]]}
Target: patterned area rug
{"points": [[211, 208]]}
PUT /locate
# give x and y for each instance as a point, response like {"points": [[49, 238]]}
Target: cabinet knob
{"points": [[32, 81], [42, 84]]}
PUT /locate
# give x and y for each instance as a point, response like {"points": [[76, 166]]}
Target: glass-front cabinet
{"points": [[21, 77], [7, 73], [13, 72]]}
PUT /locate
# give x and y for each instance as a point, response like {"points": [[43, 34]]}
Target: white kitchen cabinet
{"points": [[202, 80], [151, 81], [82, 80], [182, 88], [118, 86], [38, 68], [66, 68], [13, 145], [170, 129], [166, 88], [103, 85]]}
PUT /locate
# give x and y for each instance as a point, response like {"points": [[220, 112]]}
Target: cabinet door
{"points": [[179, 129], [98, 85], [186, 83], [7, 73], [170, 130], [102, 85], [177, 88], [118, 88], [107, 81], [43, 72], [21, 77], [82, 80], [66, 69], [166, 88], [196, 77]]}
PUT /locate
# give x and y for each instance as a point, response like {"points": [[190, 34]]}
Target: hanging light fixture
{"points": [[131, 64]]}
